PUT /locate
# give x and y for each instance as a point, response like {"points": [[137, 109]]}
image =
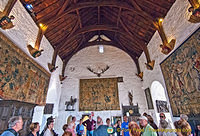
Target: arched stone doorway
{"points": [[159, 95]]}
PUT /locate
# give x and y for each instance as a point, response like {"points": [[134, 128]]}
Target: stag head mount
{"points": [[98, 70]]}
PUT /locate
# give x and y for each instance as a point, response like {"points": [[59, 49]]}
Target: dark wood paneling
{"points": [[9, 108]]}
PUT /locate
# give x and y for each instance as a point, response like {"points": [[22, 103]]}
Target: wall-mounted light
{"points": [[34, 51], [195, 9], [43, 27], [166, 47], [29, 7], [161, 20]]}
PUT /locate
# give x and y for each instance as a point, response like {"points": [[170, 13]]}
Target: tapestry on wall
{"points": [[98, 94], [20, 77], [181, 71]]}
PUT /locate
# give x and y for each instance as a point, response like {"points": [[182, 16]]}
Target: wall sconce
{"points": [[195, 17], [35, 52], [166, 47], [5, 19], [195, 9], [140, 75], [51, 65], [150, 65]]}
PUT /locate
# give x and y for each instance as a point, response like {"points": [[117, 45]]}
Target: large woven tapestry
{"points": [[20, 77], [98, 94], [181, 72]]}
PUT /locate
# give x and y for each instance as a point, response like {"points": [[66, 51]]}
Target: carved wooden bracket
{"points": [[5, 20], [35, 52], [166, 47], [62, 76], [150, 63], [195, 9], [139, 74], [51, 65]]}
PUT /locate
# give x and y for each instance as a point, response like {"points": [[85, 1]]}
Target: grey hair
{"points": [[183, 116], [13, 120]]}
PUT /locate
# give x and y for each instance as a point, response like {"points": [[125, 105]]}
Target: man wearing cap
{"points": [[147, 129]]}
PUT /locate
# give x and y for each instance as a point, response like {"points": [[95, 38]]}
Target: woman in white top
{"points": [[49, 130]]}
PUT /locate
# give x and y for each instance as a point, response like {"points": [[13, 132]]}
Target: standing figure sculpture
{"points": [[130, 96]]}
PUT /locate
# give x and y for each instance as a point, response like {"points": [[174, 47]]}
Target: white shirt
{"points": [[48, 133]]}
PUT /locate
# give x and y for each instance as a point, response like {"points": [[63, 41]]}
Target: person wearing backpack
{"points": [[15, 124]]}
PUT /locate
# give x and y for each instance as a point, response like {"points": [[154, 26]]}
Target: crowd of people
{"points": [[145, 126]]}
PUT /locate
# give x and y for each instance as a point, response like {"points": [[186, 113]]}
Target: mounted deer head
{"points": [[98, 73]]}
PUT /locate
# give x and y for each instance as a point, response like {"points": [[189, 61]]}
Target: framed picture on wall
{"points": [[162, 106], [148, 98], [114, 119]]}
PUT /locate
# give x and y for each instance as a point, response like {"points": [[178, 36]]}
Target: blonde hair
{"points": [[183, 126], [33, 126], [134, 128]]}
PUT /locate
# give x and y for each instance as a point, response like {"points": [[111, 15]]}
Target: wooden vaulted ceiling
{"points": [[72, 23]]}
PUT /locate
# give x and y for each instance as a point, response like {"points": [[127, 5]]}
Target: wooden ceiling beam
{"points": [[128, 13], [69, 48], [48, 8], [109, 16], [99, 15], [130, 52], [115, 40], [142, 45], [48, 17], [71, 44], [79, 20], [137, 39], [96, 28], [130, 44], [118, 18], [78, 48], [134, 3], [65, 37], [64, 27], [111, 3], [58, 39], [63, 7]]}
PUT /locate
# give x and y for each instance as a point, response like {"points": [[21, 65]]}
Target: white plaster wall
{"points": [[176, 25], [121, 65], [3, 4], [24, 33]]}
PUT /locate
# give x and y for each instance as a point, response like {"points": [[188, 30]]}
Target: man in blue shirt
{"points": [[14, 125], [125, 130], [80, 128]]}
